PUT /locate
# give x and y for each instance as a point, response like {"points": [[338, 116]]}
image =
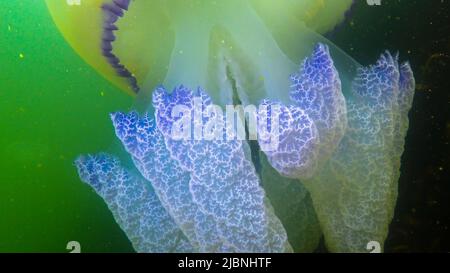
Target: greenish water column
{"points": [[52, 107]]}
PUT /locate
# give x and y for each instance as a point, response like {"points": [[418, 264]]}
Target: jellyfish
{"points": [[343, 121]]}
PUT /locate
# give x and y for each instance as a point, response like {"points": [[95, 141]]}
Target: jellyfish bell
{"points": [[234, 48]]}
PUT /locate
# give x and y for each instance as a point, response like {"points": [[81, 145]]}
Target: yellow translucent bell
{"points": [[146, 34]]}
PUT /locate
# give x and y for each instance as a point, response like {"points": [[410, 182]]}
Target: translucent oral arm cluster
{"points": [[354, 187], [311, 128], [355, 193], [223, 181], [145, 144], [134, 204]]}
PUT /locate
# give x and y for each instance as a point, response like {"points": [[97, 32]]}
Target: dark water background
{"points": [[49, 99]]}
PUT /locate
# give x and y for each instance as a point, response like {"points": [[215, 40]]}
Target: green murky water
{"points": [[52, 107]]}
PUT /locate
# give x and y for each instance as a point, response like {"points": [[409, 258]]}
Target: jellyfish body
{"points": [[338, 160]]}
